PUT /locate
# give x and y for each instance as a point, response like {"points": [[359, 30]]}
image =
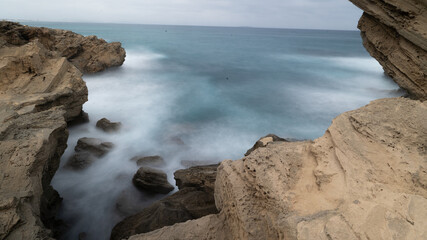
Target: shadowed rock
{"points": [[108, 126], [152, 180], [195, 199]]}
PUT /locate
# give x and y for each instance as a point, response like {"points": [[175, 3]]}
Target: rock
{"points": [[129, 202], [94, 146], [107, 126], [200, 177], [89, 54], [193, 163], [360, 180], [195, 199], [395, 33], [262, 142], [82, 118], [152, 180], [88, 150], [149, 160], [40, 91]]}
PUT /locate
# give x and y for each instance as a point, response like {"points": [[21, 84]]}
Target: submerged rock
{"points": [[195, 199], [149, 160], [152, 180], [108, 126], [88, 150]]}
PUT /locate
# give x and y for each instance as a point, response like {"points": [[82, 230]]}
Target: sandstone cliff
{"points": [[395, 33], [365, 178], [40, 90]]}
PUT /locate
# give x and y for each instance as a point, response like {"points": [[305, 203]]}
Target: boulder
{"points": [[94, 146], [88, 150], [156, 161], [108, 126], [195, 199], [152, 180], [262, 142]]}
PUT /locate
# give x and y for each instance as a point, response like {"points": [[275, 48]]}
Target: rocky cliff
{"points": [[395, 33], [41, 89], [365, 178]]}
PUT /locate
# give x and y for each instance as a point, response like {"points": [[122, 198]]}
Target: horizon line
{"points": [[180, 25]]}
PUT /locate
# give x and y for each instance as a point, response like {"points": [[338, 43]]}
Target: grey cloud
{"points": [[314, 14]]}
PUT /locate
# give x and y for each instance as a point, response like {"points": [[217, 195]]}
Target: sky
{"points": [[304, 14]]}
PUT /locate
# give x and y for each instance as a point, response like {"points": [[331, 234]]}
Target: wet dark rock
{"points": [[108, 126], [195, 199], [262, 142], [88, 150], [94, 146], [149, 160], [152, 180]]}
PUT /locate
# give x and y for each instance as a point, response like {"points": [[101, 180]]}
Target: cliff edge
{"points": [[41, 89], [395, 33]]}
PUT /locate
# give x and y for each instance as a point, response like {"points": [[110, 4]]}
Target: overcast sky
{"points": [[311, 14]]}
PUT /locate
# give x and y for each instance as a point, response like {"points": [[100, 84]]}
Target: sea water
{"points": [[206, 94]]}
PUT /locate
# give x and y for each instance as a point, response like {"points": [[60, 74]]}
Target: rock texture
{"points": [[40, 90], [364, 179], [195, 199], [395, 33]]}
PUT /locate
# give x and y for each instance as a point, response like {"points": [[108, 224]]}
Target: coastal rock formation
{"points": [[262, 142], [395, 33], [89, 54], [194, 199], [364, 179], [40, 91], [149, 161]]}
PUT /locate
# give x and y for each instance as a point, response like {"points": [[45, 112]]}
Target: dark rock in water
{"points": [[94, 146], [83, 117], [200, 177], [262, 142], [108, 126], [152, 180], [88, 150], [195, 199], [129, 202], [149, 160], [81, 160]]}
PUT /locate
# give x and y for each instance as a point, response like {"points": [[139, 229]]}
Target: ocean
{"points": [[205, 94]]}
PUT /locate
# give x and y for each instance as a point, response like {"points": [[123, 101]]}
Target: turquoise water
{"points": [[216, 89]]}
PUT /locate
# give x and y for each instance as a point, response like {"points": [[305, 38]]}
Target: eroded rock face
{"points": [[40, 90], [89, 54], [364, 179], [395, 33]]}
